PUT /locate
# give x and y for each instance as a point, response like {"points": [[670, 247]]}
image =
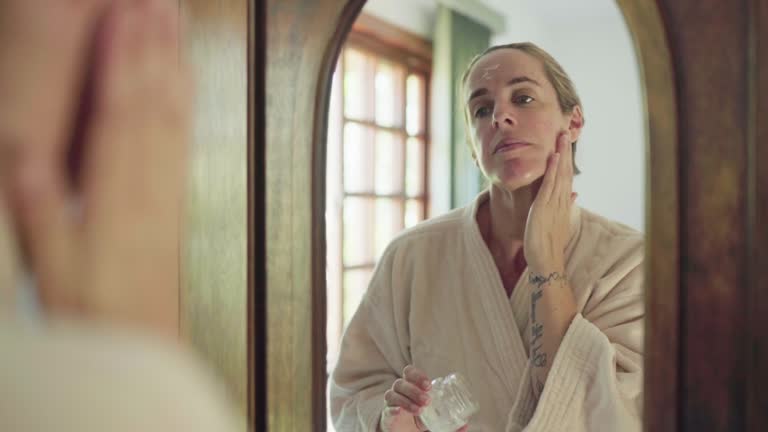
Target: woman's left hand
{"points": [[548, 227]]}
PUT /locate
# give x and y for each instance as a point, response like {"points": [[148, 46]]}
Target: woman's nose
{"points": [[503, 118]]}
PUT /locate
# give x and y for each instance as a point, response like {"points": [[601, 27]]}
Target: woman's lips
{"points": [[509, 146]]}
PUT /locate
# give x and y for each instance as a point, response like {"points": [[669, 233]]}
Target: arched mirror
{"points": [[408, 157]]}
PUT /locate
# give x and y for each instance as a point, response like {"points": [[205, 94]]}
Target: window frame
{"points": [[375, 37]]}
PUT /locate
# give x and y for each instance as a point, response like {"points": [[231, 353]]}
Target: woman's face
{"points": [[515, 117]]}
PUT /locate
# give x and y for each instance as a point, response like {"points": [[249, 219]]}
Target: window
{"points": [[377, 159]]}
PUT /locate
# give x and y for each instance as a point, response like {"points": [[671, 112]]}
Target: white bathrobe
{"points": [[436, 301]]}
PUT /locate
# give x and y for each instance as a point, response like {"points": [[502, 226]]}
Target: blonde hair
{"points": [[567, 97]]}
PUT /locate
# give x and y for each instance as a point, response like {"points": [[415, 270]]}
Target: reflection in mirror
{"points": [[443, 255]]}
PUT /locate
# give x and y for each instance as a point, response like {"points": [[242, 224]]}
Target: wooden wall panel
{"points": [[710, 43], [214, 289], [757, 224], [662, 303]]}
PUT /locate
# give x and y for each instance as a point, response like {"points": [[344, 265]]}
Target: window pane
{"points": [[389, 163], [416, 105], [389, 222], [355, 285], [359, 75], [415, 166], [389, 95], [414, 212], [358, 158], [358, 235]]}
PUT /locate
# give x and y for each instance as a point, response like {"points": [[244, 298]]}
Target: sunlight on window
{"points": [[355, 284], [359, 70], [414, 212], [388, 222], [415, 106], [358, 246], [414, 171], [389, 163], [376, 172], [389, 95], [358, 158]]}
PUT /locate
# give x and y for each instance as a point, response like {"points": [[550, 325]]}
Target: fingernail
{"points": [[425, 384], [424, 399]]}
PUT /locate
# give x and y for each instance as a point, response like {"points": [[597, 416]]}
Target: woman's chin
{"points": [[514, 179]]}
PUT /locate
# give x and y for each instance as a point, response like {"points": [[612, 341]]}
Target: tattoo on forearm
{"points": [[534, 298], [537, 331], [538, 358], [541, 280]]}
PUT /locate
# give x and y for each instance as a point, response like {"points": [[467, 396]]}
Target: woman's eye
{"points": [[482, 112], [523, 99]]}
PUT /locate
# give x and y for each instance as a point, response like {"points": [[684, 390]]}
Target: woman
{"points": [[107, 355], [537, 302]]}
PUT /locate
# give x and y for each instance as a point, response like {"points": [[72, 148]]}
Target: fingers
{"points": [[391, 411], [43, 49], [135, 164], [409, 392], [412, 392], [8, 261], [563, 183], [407, 396], [417, 376], [567, 151], [395, 399], [45, 215], [42, 53], [143, 110], [388, 418], [547, 188], [419, 424], [395, 418]]}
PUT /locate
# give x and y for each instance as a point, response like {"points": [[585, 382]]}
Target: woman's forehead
{"points": [[504, 64]]}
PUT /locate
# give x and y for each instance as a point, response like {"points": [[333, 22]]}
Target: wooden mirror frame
{"points": [[704, 294]]}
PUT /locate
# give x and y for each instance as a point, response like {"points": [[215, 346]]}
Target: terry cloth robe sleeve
{"points": [[595, 383], [374, 351]]}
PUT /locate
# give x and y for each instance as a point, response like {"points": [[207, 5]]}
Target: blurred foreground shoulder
{"points": [[72, 377]]}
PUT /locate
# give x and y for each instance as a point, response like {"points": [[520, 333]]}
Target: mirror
{"points": [[397, 155]]}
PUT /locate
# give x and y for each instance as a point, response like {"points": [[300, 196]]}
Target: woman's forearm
{"points": [[553, 308]]}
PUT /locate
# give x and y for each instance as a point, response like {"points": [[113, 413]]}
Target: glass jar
{"points": [[451, 404]]}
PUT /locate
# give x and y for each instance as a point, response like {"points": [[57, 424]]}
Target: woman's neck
{"points": [[503, 219]]}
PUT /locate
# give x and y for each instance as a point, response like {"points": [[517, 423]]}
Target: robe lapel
{"points": [[492, 309]]}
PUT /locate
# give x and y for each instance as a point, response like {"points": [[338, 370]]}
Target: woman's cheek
{"points": [[548, 130], [486, 141]]}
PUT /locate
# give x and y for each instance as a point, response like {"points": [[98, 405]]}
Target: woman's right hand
{"points": [[406, 400]]}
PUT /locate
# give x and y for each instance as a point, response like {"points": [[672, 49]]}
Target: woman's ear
{"points": [[575, 123]]}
